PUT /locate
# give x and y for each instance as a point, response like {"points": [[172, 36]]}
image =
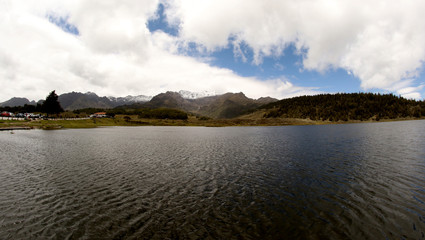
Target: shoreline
{"points": [[105, 122], [13, 128]]}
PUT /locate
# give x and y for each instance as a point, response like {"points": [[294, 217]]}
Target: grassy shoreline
{"points": [[192, 121]]}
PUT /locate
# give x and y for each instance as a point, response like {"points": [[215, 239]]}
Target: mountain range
{"points": [[205, 103]]}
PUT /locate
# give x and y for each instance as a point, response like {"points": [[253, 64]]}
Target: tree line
{"points": [[156, 113], [346, 106], [27, 108]]}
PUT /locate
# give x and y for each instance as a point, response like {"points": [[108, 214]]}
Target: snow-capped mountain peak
{"points": [[131, 99], [194, 95]]}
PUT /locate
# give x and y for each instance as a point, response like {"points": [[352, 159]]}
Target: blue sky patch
{"points": [[289, 66], [63, 23], [160, 23]]}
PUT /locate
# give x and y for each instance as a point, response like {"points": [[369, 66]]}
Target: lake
{"points": [[352, 181]]}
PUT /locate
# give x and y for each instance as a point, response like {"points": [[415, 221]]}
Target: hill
{"points": [[16, 101], [231, 105], [346, 106], [227, 105], [170, 100], [77, 100]]}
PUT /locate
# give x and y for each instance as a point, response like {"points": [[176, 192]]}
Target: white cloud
{"points": [[410, 92], [114, 54], [380, 42]]}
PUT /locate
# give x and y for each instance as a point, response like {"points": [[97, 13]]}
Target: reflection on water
{"points": [[358, 181]]}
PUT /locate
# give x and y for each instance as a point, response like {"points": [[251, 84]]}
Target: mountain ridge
{"points": [[226, 105]]}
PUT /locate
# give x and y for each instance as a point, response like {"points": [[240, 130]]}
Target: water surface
{"points": [[354, 181]]}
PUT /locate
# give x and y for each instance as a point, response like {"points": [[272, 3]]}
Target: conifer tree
{"points": [[51, 105]]}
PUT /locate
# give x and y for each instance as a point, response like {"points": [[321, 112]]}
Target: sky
{"points": [[276, 48]]}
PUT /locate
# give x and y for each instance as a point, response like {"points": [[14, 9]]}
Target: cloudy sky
{"points": [[278, 48]]}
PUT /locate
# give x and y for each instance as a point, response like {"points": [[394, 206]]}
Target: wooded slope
{"points": [[346, 106]]}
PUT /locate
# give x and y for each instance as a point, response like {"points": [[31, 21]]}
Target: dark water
{"points": [[358, 181]]}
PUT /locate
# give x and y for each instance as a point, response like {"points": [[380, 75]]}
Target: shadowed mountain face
{"points": [[76, 100], [16, 101]]}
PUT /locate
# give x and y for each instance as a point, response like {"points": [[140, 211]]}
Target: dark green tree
{"points": [[51, 105]]}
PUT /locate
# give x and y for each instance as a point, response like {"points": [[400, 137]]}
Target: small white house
{"points": [[98, 115]]}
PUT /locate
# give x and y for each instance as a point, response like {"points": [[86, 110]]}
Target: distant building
{"points": [[98, 115]]}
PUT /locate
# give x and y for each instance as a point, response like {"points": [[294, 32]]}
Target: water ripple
{"points": [[360, 181]]}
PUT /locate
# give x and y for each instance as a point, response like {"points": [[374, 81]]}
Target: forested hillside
{"points": [[346, 106]]}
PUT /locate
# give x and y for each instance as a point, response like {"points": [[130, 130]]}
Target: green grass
{"points": [[87, 123], [119, 120]]}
